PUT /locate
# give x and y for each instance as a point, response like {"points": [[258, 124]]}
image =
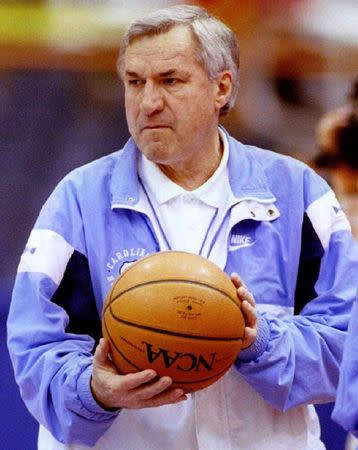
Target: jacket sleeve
{"points": [[345, 411], [297, 357], [53, 325]]}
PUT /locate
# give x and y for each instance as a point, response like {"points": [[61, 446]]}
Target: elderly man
{"points": [[181, 182]]}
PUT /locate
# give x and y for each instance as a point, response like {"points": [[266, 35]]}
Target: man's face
{"points": [[172, 107]]}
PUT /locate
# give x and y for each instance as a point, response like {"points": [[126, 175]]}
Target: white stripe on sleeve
{"points": [[327, 217], [46, 252]]}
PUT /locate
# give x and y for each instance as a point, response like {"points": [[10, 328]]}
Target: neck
{"points": [[193, 173]]}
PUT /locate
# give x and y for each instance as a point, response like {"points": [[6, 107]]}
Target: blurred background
{"points": [[61, 105]]}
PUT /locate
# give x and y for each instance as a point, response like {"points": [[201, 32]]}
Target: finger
{"points": [[100, 357], [250, 337], [236, 279], [246, 295], [250, 314], [167, 397], [153, 389], [135, 380]]}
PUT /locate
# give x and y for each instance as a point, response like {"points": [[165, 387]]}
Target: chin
{"points": [[156, 152]]}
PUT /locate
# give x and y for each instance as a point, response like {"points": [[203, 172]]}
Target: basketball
{"points": [[176, 313]]}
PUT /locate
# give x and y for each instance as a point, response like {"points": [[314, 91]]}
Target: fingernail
{"points": [[166, 381], [179, 392], [151, 374]]}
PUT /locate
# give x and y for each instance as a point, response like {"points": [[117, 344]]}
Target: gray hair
{"points": [[217, 45]]}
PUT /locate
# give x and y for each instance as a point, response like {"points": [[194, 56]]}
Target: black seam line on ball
{"points": [[117, 349], [175, 280], [175, 333]]}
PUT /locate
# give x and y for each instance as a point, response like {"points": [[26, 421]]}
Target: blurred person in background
{"points": [[337, 138], [183, 183]]}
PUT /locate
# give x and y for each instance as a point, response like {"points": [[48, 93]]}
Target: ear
{"points": [[223, 87]]}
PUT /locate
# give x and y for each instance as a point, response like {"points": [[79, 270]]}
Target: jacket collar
{"points": [[124, 181], [246, 175]]}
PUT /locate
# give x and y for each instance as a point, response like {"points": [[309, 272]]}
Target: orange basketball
{"points": [[176, 313]]}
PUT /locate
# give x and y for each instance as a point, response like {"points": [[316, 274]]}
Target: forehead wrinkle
{"points": [[162, 66], [158, 55], [153, 54]]}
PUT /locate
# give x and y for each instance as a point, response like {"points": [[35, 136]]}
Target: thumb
{"points": [[101, 355]]}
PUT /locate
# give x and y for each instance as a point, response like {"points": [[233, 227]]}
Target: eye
{"points": [[135, 82], [170, 81]]}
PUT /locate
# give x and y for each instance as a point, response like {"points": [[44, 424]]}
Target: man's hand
{"points": [[248, 308], [137, 390]]}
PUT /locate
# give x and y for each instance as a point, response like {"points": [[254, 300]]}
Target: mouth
{"points": [[156, 127]]}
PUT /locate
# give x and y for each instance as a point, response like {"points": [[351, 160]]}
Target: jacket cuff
{"points": [[87, 399], [259, 346]]}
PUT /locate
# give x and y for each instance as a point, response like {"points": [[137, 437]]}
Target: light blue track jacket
{"points": [[283, 232]]}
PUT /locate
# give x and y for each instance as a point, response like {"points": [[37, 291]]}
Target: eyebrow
{"points": [[167, 73], [132, 74]]}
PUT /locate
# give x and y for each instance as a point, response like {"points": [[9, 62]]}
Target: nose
{"points": [[152, 99]]}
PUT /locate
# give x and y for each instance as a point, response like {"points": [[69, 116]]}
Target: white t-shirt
{"points": [[185, 217]]}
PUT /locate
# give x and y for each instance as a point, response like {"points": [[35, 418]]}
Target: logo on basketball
{"points": [[188, 307], [184, 362]]}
